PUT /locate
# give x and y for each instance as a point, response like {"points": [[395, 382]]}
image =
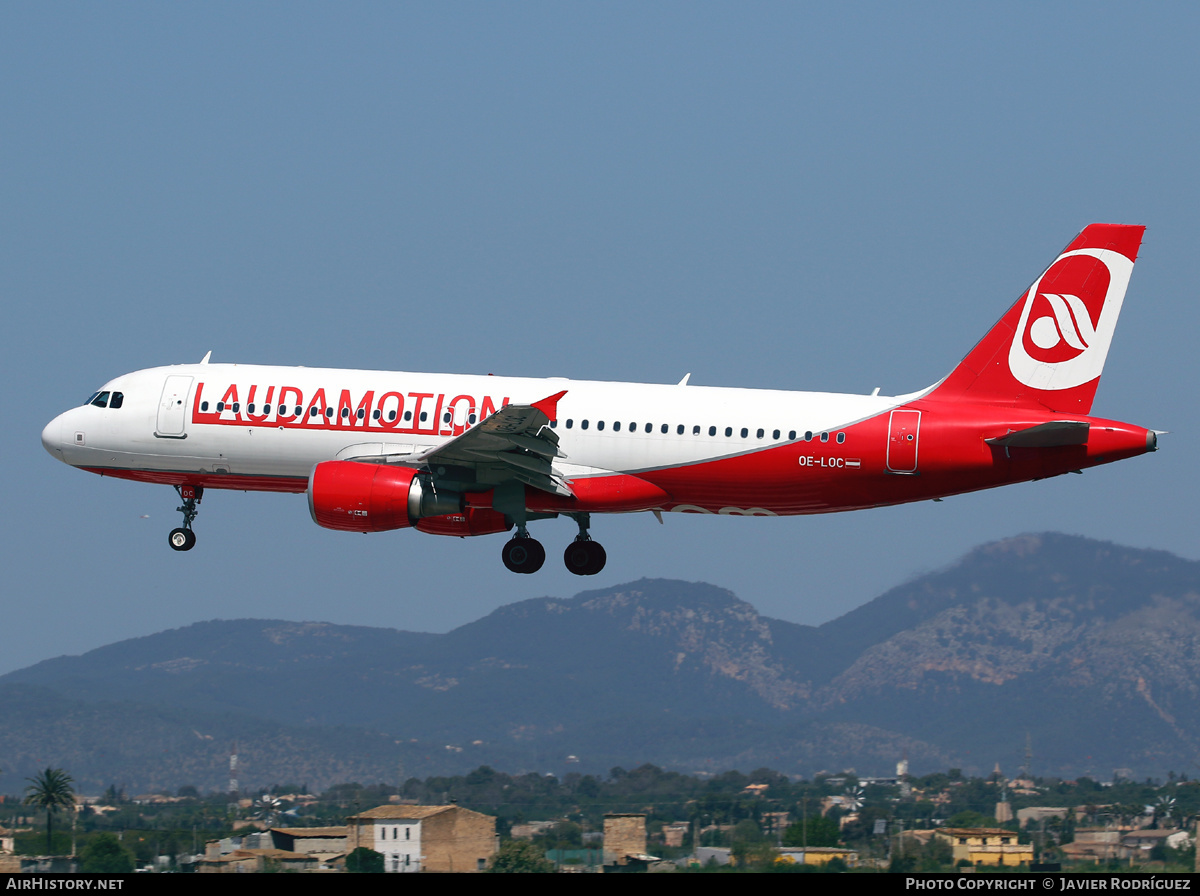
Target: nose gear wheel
{"points": [[183, 538]]}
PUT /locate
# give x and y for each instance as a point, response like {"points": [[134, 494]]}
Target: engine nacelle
{"points": [[358, 497]]}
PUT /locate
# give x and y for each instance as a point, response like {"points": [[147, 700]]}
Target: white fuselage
{"points": [[602, 427]]}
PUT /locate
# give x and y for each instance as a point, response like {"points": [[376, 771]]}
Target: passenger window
{"points": [[824, 437], [745, 432], [775, 434], [728, 432], [808, 436], [407, 415], [446, 417], [665, 427], [695, 430], [250, 409], [204, 405], [220, 406], [617, 426], [424, 416], [329, 413], [599, 424], [553, 423], [841, 437], [679, 430], [361, 413], [116, 401], [712, 430], [583, 424], [649, 427], [391, 415], [299, 411], [570, 423], [471, 419], [345, 413], [375, 414], [266, 409], [792, 435]]}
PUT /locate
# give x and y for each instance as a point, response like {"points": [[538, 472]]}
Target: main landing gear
{"points": [[583, 557], [183, 538], [523, 554]]}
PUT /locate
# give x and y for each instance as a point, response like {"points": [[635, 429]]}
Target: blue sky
{"points": [[794, 196]]}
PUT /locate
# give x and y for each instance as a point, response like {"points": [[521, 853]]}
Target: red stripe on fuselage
{"points": [[208, 480]]}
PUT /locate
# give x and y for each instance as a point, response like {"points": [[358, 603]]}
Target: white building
{"points": [[425, 838], [399, 841]]}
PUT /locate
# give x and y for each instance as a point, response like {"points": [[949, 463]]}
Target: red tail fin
{"points": [[1049, 349]]}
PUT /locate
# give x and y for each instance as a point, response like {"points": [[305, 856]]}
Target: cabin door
{"points": [[172, 408], [903, 431]]}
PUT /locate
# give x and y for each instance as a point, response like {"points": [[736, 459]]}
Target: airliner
{"points": [[474, 455]]}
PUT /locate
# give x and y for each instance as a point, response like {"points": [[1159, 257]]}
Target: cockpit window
{"points": [[106, 399]]}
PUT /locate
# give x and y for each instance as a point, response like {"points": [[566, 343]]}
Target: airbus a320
{"points": [[475, 455]]}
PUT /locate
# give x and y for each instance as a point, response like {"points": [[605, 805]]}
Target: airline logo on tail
{"points": [[1068, 320]]}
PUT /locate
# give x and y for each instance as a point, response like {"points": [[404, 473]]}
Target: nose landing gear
{"points": [[183, 538]]}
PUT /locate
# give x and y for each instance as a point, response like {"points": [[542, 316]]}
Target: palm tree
{"points": [[50, 790]]}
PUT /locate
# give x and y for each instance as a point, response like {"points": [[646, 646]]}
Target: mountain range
{"points": [[1068, 655]]}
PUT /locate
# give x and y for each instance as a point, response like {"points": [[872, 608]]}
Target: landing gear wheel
{"points": [[584, 558], [183, 538], [524, 555]]}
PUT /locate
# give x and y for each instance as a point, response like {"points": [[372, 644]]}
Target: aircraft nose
{"points": [[52, 438]]}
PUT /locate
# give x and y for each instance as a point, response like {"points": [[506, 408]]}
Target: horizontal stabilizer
{"points": [[1054, 434]]}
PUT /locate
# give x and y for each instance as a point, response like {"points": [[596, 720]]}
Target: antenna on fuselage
{"points": [[683, 382], [207, 355]]}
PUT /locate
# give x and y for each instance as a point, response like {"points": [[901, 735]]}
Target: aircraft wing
{"points": [[514, 443]]}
